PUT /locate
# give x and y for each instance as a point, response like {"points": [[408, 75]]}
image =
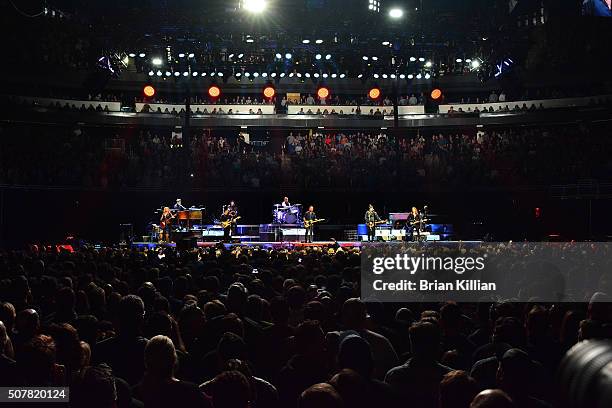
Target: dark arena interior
{"points": [[234, 203]]}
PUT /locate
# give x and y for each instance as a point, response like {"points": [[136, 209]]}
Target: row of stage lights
{"points": [[269, 92], [239, 75]]}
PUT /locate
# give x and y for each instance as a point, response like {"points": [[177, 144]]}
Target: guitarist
{"points": [[413, 223], [309, 216], [371, 218], [165, 223], [227, 217]]}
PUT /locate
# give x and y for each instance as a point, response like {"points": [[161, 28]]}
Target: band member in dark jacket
{"points": [[371, 218], [309, 215], [227, 218]]}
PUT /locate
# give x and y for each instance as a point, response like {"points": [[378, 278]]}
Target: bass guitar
{"points": [[372, 224], [166, 221]]}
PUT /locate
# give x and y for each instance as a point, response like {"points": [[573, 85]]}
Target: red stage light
{"points": [[149, 91], [436, 94], [269, 92], [374, 93], [323, 92], [214, 91]]}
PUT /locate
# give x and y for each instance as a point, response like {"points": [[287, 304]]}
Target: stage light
{"points": [[291, 75], [177, 74], [427, 75], [305, 41], [142, 55], [156, 61], [168, 73], [374, 58], [402, 76], [264, 75], [230, 56], [376, 76], [428, 64], [421, 59], [374, 93], [307, 75], [328, 57], [131, 55], [278, 55], [194, 73], [185, 73], [250, 40], [385, 43], [360, 76], [240, 55], [151, 73], [436, 94], [393, 76], [159, 73], [365, 58], [220, 74], [247, 74], [254, 6], [181, 55], [204, 74], [475, 64], [385, 76], [412, 59], [149, 91], [318, 57], [282, 75], [273, 75], [323, 92], [458, 60], [319, 41], [325, 75], [410, 76], [214, 91], [256, 75], [419, 76], [238, 75], [269, 92], [316, 75], [334, 75], [468, 60], [288, 56], [342, 75], [299, 75], [396, 13], [192, 55]]}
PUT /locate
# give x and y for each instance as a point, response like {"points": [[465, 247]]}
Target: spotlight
{"points": [[307, 75], [168, 73], [365, 58], [342, 75], [374, 58], [385, 76], [412, 59], [428, 64], [177, 74], [419, 76], [427, 75], [319, 41], [323, 92], [159, 73], [291, 75], [156, 61], [194, 73], [238, 74], [264, 75], [273, 75], [374, 93], [360, 76], [396, 13], [204, 74], [316, 75], [325, 75], [254, 6], [328, 57], [230, 56], [376, 76], [318, 56], [288, 56], [436, 94], [256, 75], [131, 55], [385, 43], [142, 55], [247, 74], [410, 76], [181, 55], [151, 73], [149, 91], [269, 92], [220, 74], [475, 64], [192, 55], [185, 73], [334, 75], [278, 55], [458, 60], [214, 91], [282, 75], [392, 76], [305, 41], [240, 55], [402, 76], [250, 40], [299, 75], [421, 59]]}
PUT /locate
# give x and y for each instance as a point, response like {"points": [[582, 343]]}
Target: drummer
{"points": [[285, 203], [179, 205]]}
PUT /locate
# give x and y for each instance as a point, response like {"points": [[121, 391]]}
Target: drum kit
{"points": [[291, 214]]}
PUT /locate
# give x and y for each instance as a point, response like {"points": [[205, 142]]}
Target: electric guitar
{"points": [[424, 220], [375, 223], [310, 223], [229, 222]]}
